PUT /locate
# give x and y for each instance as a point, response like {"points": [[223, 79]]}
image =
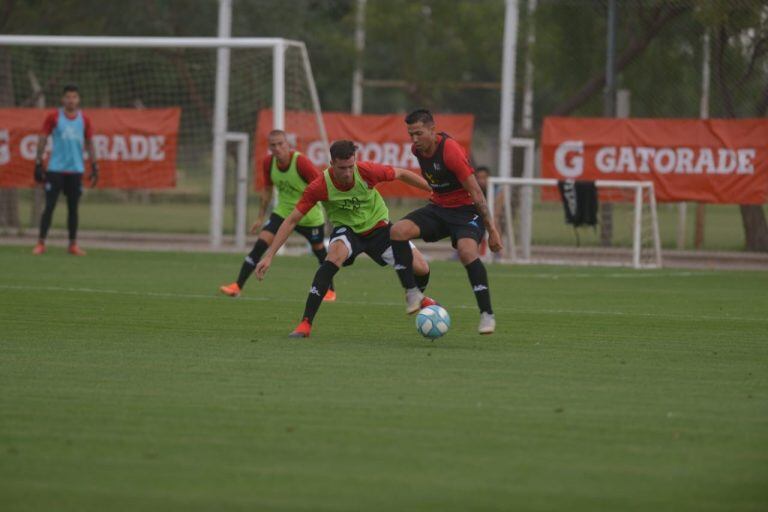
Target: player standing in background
{"points": [[290, 172], [71, 131], [360, 220], [457, 209]]}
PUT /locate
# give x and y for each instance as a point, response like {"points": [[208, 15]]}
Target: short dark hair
{"points": [[343, 149], [275, 133], [70, 88], [482, 168], [420, 115]]}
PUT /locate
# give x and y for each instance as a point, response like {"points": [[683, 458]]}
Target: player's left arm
{"points": [[281, 236], [412, 179], [94, 177], [470, 185]]}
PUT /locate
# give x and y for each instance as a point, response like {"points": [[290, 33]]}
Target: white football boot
{"points": [[487, 323]]}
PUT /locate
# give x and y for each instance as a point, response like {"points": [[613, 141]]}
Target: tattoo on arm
{"points": [[482, 207], [41, 141]]}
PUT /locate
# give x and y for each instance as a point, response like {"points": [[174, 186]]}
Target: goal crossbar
{"points": [[639, 188]]}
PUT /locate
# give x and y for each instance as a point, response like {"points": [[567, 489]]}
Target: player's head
{"points": [[482, 173], [70, 97], [278, 144], [343, 161], [421, 128]]}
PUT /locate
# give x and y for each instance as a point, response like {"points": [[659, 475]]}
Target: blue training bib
{"points": [[68, 140]]}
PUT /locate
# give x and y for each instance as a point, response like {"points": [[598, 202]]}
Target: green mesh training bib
{"points": [[290, 185], [359, 208]]}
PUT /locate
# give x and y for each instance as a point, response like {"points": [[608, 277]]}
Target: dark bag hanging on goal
{"points": [[579, 201]]}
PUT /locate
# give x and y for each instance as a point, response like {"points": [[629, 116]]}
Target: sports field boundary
{"points": [[190, 242]]}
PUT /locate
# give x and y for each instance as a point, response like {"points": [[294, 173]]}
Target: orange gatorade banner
{"points": [[381, 138], [134, 148], [710, 161]]}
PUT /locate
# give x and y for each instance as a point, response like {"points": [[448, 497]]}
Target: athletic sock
{"points": [[320, 284], [401, 250], [478, 278], [321, 254], [422, 281], [249, 265]]}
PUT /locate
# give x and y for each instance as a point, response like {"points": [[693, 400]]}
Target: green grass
{"points": [[128, 384]]}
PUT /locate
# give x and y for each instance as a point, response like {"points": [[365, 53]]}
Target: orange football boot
{"points": [[39, 249], [302, 331], [233, 290], [75, 250], [330, 296]]}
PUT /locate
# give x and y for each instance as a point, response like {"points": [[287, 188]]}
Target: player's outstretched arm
{"points": [[412, 179], [470, 185], [281, 236]]}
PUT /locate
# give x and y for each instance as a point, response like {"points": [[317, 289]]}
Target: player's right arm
{"points": [[412, 179], [281, 236], [315, 192], [48, 125]]}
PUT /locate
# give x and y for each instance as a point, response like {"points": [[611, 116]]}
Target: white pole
{"points": [[220, 126], [655, 226], [357, 75], [278, 87], [143, 42], [241, 201], [527, 121], [638, 224], [506, 127]]}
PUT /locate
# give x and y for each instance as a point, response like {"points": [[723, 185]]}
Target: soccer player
{"points": [[360, 222], [290, 172], [457, 210], [71, 130]]}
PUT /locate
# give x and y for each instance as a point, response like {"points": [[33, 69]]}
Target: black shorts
{"points": [[436, 223], [71, 183], [313, 234], [375, 244]]}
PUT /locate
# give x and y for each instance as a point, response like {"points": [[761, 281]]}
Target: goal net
{"points": [[154, 73], [534, 229]]}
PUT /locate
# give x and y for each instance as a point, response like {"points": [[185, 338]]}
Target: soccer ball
{"points": [[432, 322]]}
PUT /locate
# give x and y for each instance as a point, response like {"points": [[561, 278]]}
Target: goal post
{"points": [[640, 194], [281, 65]]}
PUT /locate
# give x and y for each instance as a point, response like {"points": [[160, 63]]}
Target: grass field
{"points": [[128, 384]]}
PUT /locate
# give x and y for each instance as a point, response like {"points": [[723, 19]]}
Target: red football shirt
{"points": [[456, 162], [371, 172]]}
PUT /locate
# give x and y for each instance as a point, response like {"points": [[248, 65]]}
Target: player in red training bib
{"points": [[457, 209]]}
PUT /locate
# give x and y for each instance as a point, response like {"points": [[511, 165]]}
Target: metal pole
{"points": [[638, 224], [278, 87], [221, 103], [508, 88], [508, 63], [698, 241], [357, 75], [609, 110], [241, 195], [527, 121]]}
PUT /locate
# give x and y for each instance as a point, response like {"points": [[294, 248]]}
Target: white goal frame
{"points": [[526, 215], [220, 135]]}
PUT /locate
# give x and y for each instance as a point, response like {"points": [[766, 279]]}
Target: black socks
{"points": [[321, 254], [422, 281], [401, 250], [478, 278], [320, 285], [249, 265]]}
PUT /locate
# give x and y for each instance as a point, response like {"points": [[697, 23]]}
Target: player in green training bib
{"points": [[289, 172], [360, 222]]}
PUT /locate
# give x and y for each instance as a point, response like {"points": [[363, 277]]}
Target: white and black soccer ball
{"points": [[433, 321]]}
